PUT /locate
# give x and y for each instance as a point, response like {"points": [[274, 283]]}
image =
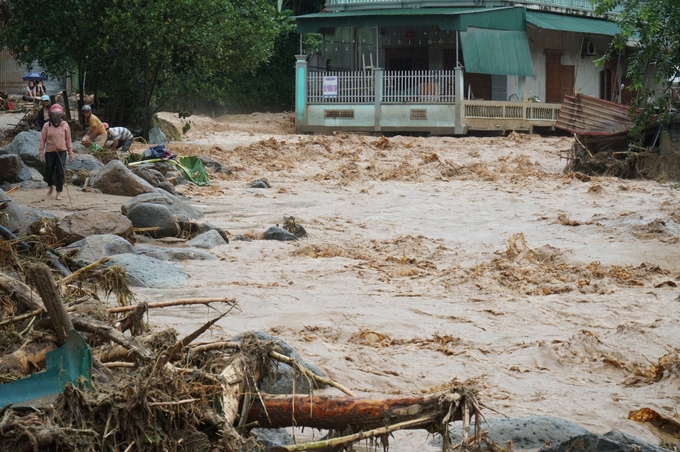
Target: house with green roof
{"points": [[451, 66]]}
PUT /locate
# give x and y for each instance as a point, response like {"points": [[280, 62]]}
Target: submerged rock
{"points": [[277, 233], [145, 271]]}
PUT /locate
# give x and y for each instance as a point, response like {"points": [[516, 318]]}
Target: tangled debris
{"points": [[150, 390]]}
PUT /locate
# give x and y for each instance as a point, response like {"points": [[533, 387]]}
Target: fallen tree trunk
{"points": [[327, 412], [42, 279], [20, 294]]}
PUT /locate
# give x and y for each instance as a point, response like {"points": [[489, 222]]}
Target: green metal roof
{"points": [[508, 18], [499, 52], [575, 24]]}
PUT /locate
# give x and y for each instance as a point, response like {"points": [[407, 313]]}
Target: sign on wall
{"points": [[330, 87]]}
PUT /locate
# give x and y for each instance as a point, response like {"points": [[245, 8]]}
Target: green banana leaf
{"points": [[191, 167]]}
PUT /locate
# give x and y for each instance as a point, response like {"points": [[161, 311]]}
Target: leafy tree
{"points": [[272, 85], [654, 26], [143, 53]]}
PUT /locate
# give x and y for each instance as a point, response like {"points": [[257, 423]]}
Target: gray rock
{"points": [[531, 432], [84, 162], [116, 179], [156, 136], [94, 247], [281, 381], [175, 204], [78, 148], [26, 145], [83, 224], [19, 219], [144, 271], [613, 441], [153, 177], [277, 233], [175, 254], [207, 240], [147, 215], [260, 183], [214, 165], [12, 169], [205, 227], [272, 437], [242, 238]]}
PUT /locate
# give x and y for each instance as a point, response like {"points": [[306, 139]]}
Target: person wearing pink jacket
{"points": [[55, 142]]}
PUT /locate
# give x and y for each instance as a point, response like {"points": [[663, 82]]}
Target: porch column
{"points": [[378, 89], [520, 88], [300, 88], [459, 73]]}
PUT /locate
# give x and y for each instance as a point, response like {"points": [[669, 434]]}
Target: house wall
{"points": [[587, 78]]}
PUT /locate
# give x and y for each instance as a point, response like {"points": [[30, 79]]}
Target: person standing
{"points": [[119, 137], [55, 143], [44, 113], [96, 132]]}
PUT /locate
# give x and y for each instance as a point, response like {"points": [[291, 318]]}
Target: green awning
{"points": [[507, 18], [561, 22], [498, 52]]}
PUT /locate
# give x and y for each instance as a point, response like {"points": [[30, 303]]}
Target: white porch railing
{"points": [[357, 87], [353, 87], [418, 86], [483, 109]]}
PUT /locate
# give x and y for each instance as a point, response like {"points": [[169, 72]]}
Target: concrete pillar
{"points": [[378, 89], [300, 89], [459, 73], [520, 88]]}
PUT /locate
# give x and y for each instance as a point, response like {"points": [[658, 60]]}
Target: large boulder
{"points": [[94, 247], [147, 215], [205, 227], [277, 233], [214, 164], [176, 205], [83, 224], [116, 179], [156, 136], [153, 177], [144, 271], [26, 145], [613, 441], [12, 169], [532, 432], [19, 219], [84, 162], [175, 254], [207, 240]]}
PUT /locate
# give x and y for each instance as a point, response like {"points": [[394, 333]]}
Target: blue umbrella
{"points": [[33, 77]]}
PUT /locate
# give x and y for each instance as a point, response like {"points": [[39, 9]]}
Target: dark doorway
{"points": [[406, 59]]}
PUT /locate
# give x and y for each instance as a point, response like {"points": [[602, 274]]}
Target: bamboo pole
{"points": [[167, 304], [85, 269]]}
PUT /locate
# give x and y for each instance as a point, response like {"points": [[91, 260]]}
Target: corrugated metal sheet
{"points": [[507, 18], [497, 52], [562, 22], [590, 116]]}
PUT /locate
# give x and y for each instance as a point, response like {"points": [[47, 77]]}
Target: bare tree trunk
{"points": [[20, 294], [327, 412], [39, 275]]}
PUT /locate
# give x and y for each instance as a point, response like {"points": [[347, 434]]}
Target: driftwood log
{"points": [[19, 294], [328, 412], [39, 275]]}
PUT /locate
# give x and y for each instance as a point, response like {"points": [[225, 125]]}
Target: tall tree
{"points": [[144, 52], [653, 26]]}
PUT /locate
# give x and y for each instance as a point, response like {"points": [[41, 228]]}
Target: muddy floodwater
{"points": [[440, 259]]}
